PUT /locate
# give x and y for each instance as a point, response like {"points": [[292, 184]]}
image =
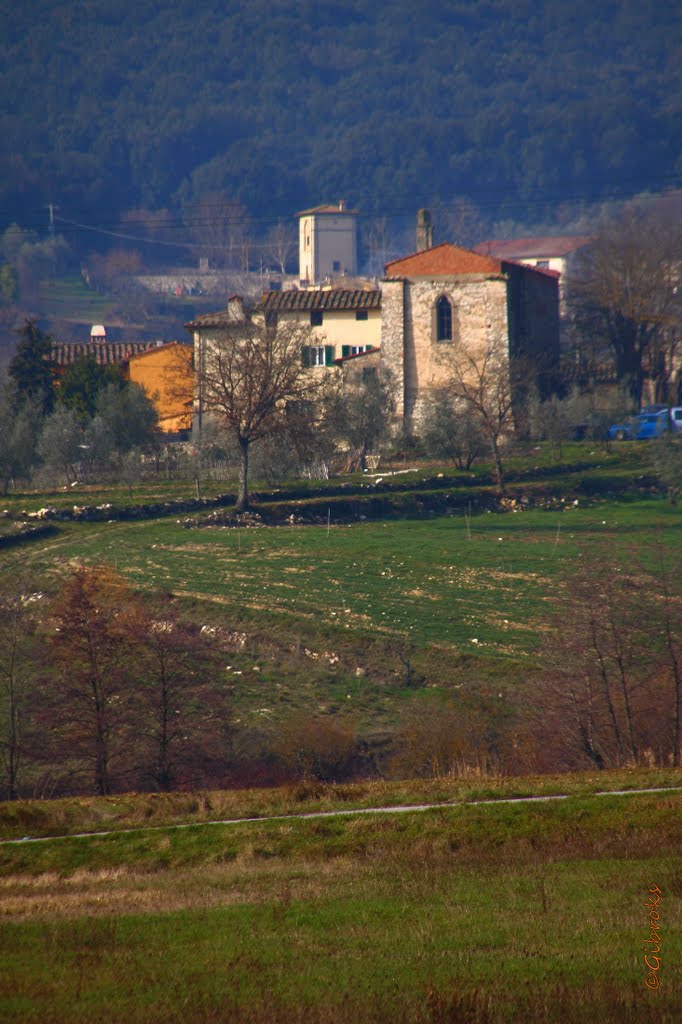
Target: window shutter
{"points": [[345, 350], [328, 355], [305, 355]]}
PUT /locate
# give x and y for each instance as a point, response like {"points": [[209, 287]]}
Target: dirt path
{"points": [[345, 813]]}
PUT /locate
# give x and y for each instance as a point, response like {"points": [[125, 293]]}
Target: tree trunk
{"points": [[499, 468], [243, 495]]}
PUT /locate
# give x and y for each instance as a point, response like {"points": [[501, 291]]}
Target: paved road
{"points": [[344, 813]]}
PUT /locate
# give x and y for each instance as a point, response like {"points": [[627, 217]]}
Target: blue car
{"points": [[640, 428]]}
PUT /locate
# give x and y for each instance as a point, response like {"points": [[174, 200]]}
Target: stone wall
{"points": [[408, 343], [189, 281], [393, 337], [533, 310]]}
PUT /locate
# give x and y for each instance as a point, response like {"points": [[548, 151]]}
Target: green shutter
{"points": [[345, 351], [305, 355], [328, 355]]}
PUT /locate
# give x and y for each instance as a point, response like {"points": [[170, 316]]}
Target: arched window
{"points": [[443, 319]]}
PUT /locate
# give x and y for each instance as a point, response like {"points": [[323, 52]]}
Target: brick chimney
{"points": [[424, 230], [235, 307]]}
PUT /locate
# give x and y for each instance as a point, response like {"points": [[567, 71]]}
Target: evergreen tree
{"points": [[29, 367]]}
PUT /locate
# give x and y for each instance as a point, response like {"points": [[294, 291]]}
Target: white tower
{"points": [[327, 243]]}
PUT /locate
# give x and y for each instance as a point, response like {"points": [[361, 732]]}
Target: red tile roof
{"points": [[441, 260], [334, 298], [532, 248], [108, 353], [224, 318]]}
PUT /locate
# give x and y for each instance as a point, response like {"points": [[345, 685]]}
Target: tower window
{"points": [[443, 319]]}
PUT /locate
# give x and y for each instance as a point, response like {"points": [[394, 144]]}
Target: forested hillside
{"points": [[109, 105]]}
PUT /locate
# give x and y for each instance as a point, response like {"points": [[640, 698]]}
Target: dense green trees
{"points": [[91, 421], [512, 104]]}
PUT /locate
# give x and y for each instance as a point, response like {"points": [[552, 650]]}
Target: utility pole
{"points": [[51, 207]]}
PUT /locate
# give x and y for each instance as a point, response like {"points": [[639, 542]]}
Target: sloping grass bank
{"points": [[501, 913], [73, 815]]}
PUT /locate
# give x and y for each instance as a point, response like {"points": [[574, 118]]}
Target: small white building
{"points": [[327, 243]]}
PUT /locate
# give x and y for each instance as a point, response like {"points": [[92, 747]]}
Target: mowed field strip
{"points": [[481, 587]]}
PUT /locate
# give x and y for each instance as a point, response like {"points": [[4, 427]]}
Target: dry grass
{"points": [[138, 810]]}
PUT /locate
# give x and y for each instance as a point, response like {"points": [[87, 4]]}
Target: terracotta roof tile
{"points": [[335, 298], [440, 260], [224, 318], [532, 248], [107, 353], [163, 347]]}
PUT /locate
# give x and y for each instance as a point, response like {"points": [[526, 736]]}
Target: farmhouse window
{"points": [[354, 350], [318, 355]]}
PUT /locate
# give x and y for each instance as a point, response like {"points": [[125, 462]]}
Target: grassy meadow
{"points": [[485, 913], [464, 913]]}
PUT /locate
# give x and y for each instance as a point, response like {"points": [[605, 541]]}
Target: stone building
{"points": [[436, 300], [430, 305], [556, 252], [343, 321], [166, 373], [328, 243]]}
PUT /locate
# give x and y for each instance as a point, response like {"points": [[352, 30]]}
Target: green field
{"points": [[325, 611], [473, 913], [477, 914], [476, 584]]}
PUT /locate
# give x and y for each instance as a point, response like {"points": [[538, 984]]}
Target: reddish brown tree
{"points": [[184, 717], [92, 683]]}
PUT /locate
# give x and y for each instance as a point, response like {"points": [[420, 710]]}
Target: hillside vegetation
{"points": [[361, 629], [108, 106]]}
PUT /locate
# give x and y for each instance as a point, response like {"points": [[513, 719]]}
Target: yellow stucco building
{"points": [[166, 372]]}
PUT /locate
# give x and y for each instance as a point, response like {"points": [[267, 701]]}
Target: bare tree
{"points": [[18, 676], [221, 226], [381, 242], [182, 711], [480, 384], [251, 380], [458, 221], [611, 683], [89, 701], [669, 599], [280, 245], [624, 290]]}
